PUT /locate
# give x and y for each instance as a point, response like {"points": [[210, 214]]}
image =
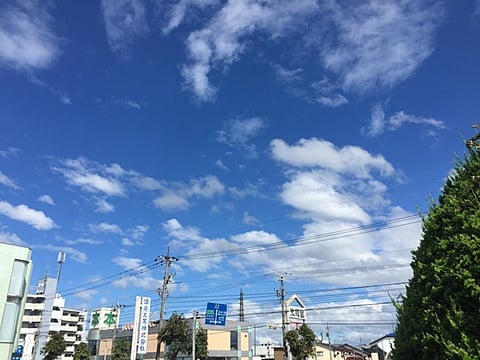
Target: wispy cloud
{"points": [[220, 42], [377, 44], [23, 213], [129, 104], [9, 153], [105, 228], [125, 21], [91, 177], [27, 42], [379, 122], [328, 94], [103, 206], [11, 238], [5, 180], [176, 12], [238, 133], [47, 199], [177, 196]]}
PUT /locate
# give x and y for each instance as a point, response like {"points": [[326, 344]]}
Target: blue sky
{"points": [[250, 138]]}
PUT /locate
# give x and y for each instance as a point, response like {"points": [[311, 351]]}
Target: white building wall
{"points": [[45, 314]]}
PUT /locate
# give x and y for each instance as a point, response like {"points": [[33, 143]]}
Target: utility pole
{"points": [[167, 261], [194, 332], [281, 294]]}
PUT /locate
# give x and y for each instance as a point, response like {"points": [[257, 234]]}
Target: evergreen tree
{"points": [[175, 335], [81, 352], [301, 342], [121, 350], [439, 317], [54, 347], [201, 345]]}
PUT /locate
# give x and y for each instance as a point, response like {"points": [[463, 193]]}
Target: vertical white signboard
{"points": [[140, 326], [143, 331]]}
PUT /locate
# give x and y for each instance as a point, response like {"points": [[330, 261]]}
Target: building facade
{"points": [[229, 342], [45, 313], [15, 272]]}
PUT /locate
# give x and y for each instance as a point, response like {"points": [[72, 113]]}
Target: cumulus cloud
{"points": [[379, 122], [27, 42], [5, 180], [23, 213], [321, 153], [125, 21]]}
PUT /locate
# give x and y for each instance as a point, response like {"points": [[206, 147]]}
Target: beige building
{"points": [[229, 342], [15, 272]]}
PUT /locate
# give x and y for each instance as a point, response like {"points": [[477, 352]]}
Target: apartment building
{"points": [[44, 314]]}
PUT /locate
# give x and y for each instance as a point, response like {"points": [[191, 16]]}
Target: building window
{"points": [[233, 340]]}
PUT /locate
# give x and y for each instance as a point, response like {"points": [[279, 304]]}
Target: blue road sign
{"points": [[216, 314]]}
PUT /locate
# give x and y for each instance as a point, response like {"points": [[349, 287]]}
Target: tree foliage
{"points": [[439, 317], [121, 350], [177, 335], [81, 352], [301, 342], [201, 345], [54, 347]]}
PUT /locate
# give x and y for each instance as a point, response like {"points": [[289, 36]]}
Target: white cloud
{"points": [[137, 275], [129, 104], [139, 231], [239, 132], [23, 213], [333, 101], [127, 242], [105, 228], [321, 153], [91, 177], [72, 253], [47, 199], [103, 206], [125, 20], [379, 122], [220, 44], [177, 196], [5, 180], [287, 76], [171, 201], [26, 40], [327, 93], [378, 44], [9, 153], [11, 238], [176, 12]]}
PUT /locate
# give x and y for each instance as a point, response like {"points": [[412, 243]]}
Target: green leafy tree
{"points": [[439, 316], [175, 335], [54, 347], [121, 349], [201, 345], [81, 352], [301, 342]]}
